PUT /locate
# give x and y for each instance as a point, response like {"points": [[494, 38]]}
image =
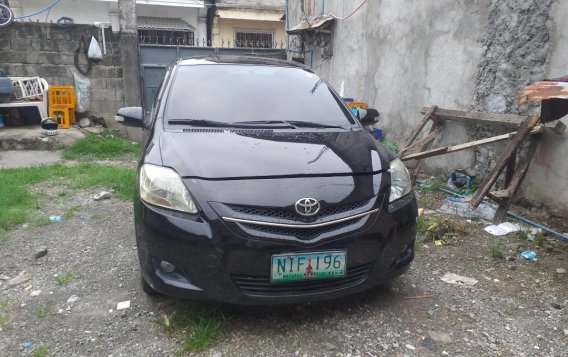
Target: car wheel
{"points": [[147, 288]]}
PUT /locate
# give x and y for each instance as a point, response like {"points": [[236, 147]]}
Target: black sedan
{"points": [[258, 185]]}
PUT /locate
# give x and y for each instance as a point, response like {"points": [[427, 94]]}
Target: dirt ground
{"points": [[69, 305]]}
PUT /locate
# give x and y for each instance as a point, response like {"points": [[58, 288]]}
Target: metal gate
{"points": [[154, 60]]}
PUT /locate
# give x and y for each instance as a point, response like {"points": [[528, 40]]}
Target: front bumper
{"points": [[215, 263]]}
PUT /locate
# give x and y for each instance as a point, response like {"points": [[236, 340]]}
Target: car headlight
{"points": [[162, 186], [401, 184]]}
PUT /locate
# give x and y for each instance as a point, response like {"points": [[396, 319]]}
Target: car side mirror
{"points": [[130, 116], [368, 116]]}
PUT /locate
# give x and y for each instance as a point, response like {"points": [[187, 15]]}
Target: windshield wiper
{"points": [[199, 122], [271, 123], [311, 124]]}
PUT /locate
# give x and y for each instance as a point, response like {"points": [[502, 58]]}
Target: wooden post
{"points": [[516, 180], [419, 129], [435, 127]]}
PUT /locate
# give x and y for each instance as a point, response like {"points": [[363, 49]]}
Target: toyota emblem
{"points": [[307, 206]]}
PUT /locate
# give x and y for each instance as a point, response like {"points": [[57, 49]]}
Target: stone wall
{"points": [[459, 54], [46, 50]]}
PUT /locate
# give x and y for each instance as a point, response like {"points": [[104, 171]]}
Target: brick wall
{"points": [[46, 50]]}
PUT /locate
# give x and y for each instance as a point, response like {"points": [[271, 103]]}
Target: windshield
{"points": [[247, 93]]}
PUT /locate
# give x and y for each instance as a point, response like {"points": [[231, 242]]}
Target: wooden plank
{"points": [[420, 143], [510, 169], [499, 194], [511, 148], [479, 118], [516, 181], [455, 148], [427, 115]]}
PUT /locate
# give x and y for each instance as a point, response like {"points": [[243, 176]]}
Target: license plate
{"points": [[305, 266]]}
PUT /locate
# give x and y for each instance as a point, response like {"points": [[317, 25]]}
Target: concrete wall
{"points": [[471, 55], [45, 50]]}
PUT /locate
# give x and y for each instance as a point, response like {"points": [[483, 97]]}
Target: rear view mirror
{"points": [[368, 116], [130, 116]]}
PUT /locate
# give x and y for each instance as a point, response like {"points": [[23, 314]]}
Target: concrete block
{"points": [[53, 71], [7, 70], [103, 95], [13, 57], [106, 83], [102, 72], [26, 70], [23, 44]]}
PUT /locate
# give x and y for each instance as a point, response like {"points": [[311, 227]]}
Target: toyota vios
{"points": [[258, 185]]}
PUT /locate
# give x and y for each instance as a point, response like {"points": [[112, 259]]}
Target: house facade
{"points": [[163, 22], [249, 23]]}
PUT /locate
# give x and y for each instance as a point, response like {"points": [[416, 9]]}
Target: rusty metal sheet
{"points": [[311, 24], [543, 90]]}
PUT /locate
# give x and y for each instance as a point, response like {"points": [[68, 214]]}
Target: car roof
{"points": [[248, 60]]}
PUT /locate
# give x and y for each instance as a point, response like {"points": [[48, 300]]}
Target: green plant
{"points": [[70, 212], [523, 234], [95, 216], [4, 321], [41, 351], [391, 146], [200, 325], [431, 186], [102, 146], [41, 313], [540, 238], [495, 250], [67, 277], [442, 228], [17, 200]]}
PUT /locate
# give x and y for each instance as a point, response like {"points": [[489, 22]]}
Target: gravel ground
{"points": [[518, 307]]}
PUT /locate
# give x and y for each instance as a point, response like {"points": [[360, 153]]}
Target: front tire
{"points": [[149, 290]]}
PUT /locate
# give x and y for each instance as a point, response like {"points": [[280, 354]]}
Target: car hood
{"points": [[254, 153]]}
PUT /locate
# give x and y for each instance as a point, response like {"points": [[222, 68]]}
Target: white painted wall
{"points": [[89, 11], [402, 57]]}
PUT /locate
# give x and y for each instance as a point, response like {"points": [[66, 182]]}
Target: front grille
{"points": [[261, 286], [281, 213], [300, 233]]}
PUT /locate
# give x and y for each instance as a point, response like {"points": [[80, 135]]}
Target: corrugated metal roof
{"points": [[164, 23], [311, 23]]}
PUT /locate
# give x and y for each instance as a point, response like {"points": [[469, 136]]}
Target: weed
{"points": [[41, 313], [391, 146], [200, 324], [495, 250], [67, 277], [442, 228], [70, 212], [523, 234], [432, 186], [540, 238], [95, 216], [422, 224], [17, 200], [101, 147], [41, 221], [4, 321], [41, 351]]}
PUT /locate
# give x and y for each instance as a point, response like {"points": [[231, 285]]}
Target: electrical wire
{"points": [[55, 2], [351, 14]]}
